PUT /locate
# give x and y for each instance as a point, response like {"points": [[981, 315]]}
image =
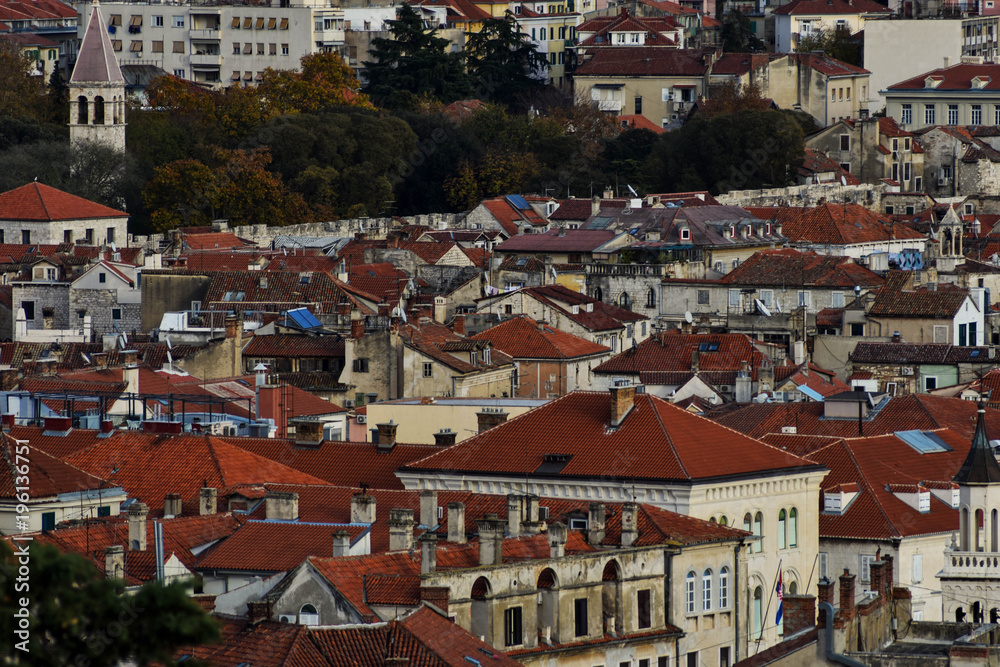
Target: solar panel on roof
{"points": [[303, 318], [810, 392], [599, 222], [923, 442], [517, 201]]}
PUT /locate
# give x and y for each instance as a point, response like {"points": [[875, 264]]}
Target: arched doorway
{"points": [[611, 597], [480, 622], [548, 604]]}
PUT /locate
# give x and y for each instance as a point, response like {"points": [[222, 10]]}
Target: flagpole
{"points": [[763, 619]]}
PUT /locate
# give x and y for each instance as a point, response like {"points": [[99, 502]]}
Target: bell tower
{"points": [[97, 89]]}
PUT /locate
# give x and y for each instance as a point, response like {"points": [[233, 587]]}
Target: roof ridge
{"points": [[670, 440], [41, 199], [871, 489]]}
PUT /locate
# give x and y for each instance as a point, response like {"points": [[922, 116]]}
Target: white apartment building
{"points": [[221, 45]]}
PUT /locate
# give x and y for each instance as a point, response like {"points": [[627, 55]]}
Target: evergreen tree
{"points": [[414, 63], [504, 64]]}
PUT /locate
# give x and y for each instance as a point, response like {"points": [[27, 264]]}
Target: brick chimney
{"points": [[281, 506], [208, 499], [400, 529], [491, 530], [172, 505], [362, 508], [456, 523], [847, 594], [445, 437], [341, 544], [889, 573], [458, 325], [596, 523], [137, 514], [114, 562], [876, 575], [799, 613], [695, 361], [259, 611], [490, 417], [429, 508], [630, 528], [436, 595], [233, 327], [622, 401], [557, 539], [357, 329], [825, 595], [386, 436], [515, 508], [428, 553]]}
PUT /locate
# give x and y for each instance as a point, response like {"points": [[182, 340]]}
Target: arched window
{"points": [[308, 615], [712, 520], [724, 588], [706, 590], [793, 527], [98, 110], [689, 592], [758, 612], [598, 294], [793, 588], [748, 522], [651, 298], [82, 105], [758, 531], [782, 521], [723, 520], [980, 525], [625, 301]]}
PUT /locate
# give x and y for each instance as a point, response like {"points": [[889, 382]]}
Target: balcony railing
{"points": [[976, 564], [204, 33], [609, 105], [655, 270]]}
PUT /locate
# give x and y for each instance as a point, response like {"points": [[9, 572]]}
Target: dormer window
{"points": [[837, 499], [933, 81], [767, 229], [685, 234], [980, 81]]}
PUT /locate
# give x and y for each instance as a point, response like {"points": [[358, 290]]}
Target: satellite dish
{"points": [[688, 317], [114, 248], [635, 344], [86, 359], [762, 308], [632, 190], [843, 180]]}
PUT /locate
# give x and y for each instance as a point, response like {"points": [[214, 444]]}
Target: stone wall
{"points": [[100, 304], [54, 296], [867, 195]]}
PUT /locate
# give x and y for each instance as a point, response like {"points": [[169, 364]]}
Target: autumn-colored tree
{"points": [[324, 81], [182, 194], [251, 195], [20, 94], [182, 97], [499, 172], [839, 44], [462, 189], [731, 97]]}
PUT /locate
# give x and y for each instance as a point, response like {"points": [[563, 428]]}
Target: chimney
{"points": [[445, 437], [308, 431], [8, 421], [232, 327], [386, 436], [630, 531], [458, 325], [825, 595], [531, 524], [596, 523], [490, 540], [799, 613], [341, 544], [281, 506], [172, 505], [357, 329], [400, 529], [456, 523], [207, 501], [622, 401], [428, 553], [896, 337], [847, 594], [258, 611], [114, 562], [436, 595], [100, 360], [609, 193], [10, 378], [889, 572], [514, 509], [362, 508], [595, 206], [137, 514], [876, 574], [695, 361], [490, 417], [557, 539], [429, 508], [440, 309]]}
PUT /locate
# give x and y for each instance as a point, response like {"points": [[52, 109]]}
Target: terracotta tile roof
{"points": [[347, 464], [442, 344], [894, 300], [673, 352], [274, 546], [524, 338], [821, 381], [578, 209], [830, 317], [49, 475], [149, 468], [294, 346], [957, 77], [657, 440], [917, 353], [835, 224], [601, 317], [925, 412], [598, 30], [216, 240], [668, 7], [38, 202], [510, 217], [823, 63], [639, 122], [478, 256], [822, 7], [639, 61], [817, 162], [788, 266], [263, 644], [800, 445]]}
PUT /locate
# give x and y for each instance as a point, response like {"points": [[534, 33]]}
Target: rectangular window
{"points": [[857, 329], [428, 370], [157, 21], [272, 49], [837, 300], [724, 660], [996, 115], [135, 46], [284, 47], [805, 299], [116, 313], [260, 48], [929, 114], [906, 114], [645, 610], [734, 298], [512, 635], [644, 662], [580, 617], [360, 365], [178, 21], [703, 297], [864, 571], [104, 510], [977, 114], [845, 142], [930, 383], [48, 521], [693, 659], [29, 310], [178, 47], [116, 45], [102, 277], [157, 46], [689, 584], [918, 569], [236, 52], [638, 106], [953, 114], [663, 661], [823, 565], [962, 334], [907, 172]]}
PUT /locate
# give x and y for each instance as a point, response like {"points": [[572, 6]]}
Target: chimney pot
{"points": [[489, 418], [386, 436], [799, 613], [596, 523], [429, 508], [557, 539], [341, 544], [357, 329], [428, 553], [630, 529], [514, 517], [445, 437], [456, 523], [400, 529], [172, 505], [281, 506], [458, 325], [362, 508], [847, 593], [114, 562], [137, 514]]}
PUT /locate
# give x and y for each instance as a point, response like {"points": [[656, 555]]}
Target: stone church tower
{"points": [[970, 579], [97, 89]]}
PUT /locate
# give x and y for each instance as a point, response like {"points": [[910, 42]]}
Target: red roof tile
{"points": [[673, 352], [835, 224], [894, 300], [49, 476], [639, 61], [274, 546], [523, 338], [38, 202], [788, 266], [294, 346], [821, 7], [957, 77], [600, 317]]}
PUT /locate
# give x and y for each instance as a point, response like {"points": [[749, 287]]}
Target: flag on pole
{"points": [[778, 589]]}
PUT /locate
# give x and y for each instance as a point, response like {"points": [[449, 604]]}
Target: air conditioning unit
{"points": [[789, 430], [362, 419], [286, 618], [348, 402], [942, 180], [906, 370], [724, 387]]}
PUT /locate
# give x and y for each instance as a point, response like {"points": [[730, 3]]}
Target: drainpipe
{"points": [[828, 648], [736, 599]]}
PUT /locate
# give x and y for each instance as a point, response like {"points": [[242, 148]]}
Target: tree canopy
{"points": [[503, 62], [838, 43]]}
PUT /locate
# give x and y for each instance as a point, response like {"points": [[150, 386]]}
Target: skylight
{"points": [[708, 347], [924, 442]]}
